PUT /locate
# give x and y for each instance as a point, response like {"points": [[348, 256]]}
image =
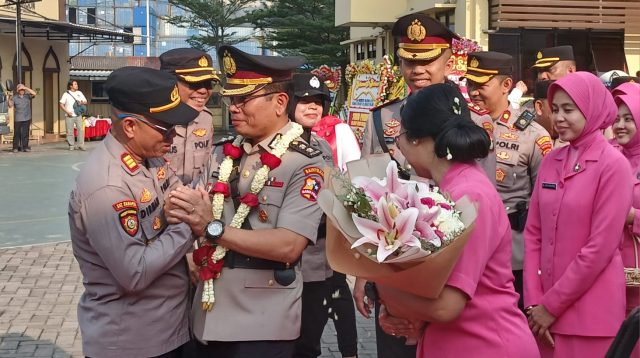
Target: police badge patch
{"points": [[310, 188], [129, 221]]}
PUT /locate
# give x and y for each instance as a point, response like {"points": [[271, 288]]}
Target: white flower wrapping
{"points": [[405, 217]]}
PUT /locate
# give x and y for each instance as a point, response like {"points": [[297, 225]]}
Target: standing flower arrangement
{"points": [[210, 258], [390, 77]]}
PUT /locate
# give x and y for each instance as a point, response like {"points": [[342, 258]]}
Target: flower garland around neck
{"points": [[209, 257]]}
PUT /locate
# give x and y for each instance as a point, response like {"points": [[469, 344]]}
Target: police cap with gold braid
{"points": [[421, 37], [148, 92], [483, 65], [190, 64], [247, 73], [549, 56]]}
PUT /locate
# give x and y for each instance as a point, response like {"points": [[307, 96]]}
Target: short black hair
{"points": [[440, 112], [70, 84]]}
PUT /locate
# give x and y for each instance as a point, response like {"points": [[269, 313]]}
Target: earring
{"points": [[414, 141], [449, 156]]}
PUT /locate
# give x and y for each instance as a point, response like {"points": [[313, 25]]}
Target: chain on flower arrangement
{"points": [[211, 258]]}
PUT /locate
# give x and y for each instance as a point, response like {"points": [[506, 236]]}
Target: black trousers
{"points": [[21, 135], [518, 285], [250, 349], [389, 346], [322, 300]]}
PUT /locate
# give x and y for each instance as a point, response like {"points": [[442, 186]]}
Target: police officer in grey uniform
{"points": [[257, 295], [520, 143], [192, 144], [135, 302], [424, 50]]}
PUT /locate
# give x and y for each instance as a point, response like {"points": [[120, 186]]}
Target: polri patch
{"points": [[310, 188], [129, 221], [157, 223], [161, 174]]}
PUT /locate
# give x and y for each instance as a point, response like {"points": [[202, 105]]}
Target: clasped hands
{"points": [[189, 206], [412, 330], [539, 321]]}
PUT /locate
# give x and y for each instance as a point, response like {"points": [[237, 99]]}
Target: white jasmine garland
{"points": [[259, 179]]}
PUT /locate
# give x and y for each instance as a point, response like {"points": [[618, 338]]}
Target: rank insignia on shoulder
{"points": [[476, 109], [129, 221], [200, 132], [275, 141], [523, 121], [304, 149], [129, 162], [224, 140]]}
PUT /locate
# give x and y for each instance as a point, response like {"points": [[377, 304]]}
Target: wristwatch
{"points": [[214, 230]]}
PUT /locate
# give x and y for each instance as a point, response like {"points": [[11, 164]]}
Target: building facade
{"points": [[605, 34], [44, 57]]}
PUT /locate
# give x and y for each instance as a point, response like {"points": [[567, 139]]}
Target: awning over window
{"points": [[61, 30]]}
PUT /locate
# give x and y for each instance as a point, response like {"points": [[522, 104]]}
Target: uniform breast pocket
{"points": [[506, 163], [200, 159], [271, 199], [265, 279]]}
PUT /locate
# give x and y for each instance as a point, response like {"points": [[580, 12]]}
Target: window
{"points": [[371, 49], [73, 17], [359, 51], [98, 94], [91, 16], [448, 19]]}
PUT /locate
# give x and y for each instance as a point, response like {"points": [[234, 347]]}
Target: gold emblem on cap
{"points": [[416, 32], [203, 62], [474, 62], [175, 95], [539, 55], [228, 64]]}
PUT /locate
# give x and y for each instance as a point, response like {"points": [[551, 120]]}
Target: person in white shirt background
{"points": [[67, 101]]}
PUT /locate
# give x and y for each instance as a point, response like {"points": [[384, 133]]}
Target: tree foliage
{"points": [[214, 19], [303, 27]]}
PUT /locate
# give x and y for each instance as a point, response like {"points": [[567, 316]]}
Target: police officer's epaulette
{"points": [[305, 149], [524, 120], [395, 100], [224, 140], [476, 109]]}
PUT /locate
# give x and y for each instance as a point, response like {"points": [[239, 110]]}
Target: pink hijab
{"points": [[625, 88], [592, 99], [631, 98]]}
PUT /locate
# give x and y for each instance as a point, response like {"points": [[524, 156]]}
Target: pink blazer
{"points": [[572, 240]]}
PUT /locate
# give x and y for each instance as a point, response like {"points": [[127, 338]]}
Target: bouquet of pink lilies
{"points": [[403, 227]]}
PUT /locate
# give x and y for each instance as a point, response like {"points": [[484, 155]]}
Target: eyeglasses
{"points": [[166, 131], [397, 138], [241, 101]]}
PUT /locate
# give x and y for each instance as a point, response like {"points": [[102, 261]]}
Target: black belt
{"points": [[237, 260]]}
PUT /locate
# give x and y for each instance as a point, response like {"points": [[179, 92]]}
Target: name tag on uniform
{"points": [[551, 186]]}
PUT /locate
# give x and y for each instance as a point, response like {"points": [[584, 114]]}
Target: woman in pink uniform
{"points": [[573, 275], [625, 130], [476, 313]]}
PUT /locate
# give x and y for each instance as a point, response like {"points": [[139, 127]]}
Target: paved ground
{"points": [[40, 283]]}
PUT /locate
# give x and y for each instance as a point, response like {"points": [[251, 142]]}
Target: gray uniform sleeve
{"points": [[543, 145], [299, 213], [119, 240]]}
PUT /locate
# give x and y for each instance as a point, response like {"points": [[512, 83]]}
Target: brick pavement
{"points": [[39, 289]]}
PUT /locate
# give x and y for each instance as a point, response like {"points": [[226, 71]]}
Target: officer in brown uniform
{"points": [[520, 142], [192, 144], [553, 63], [257, 295], [135, 302]]}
